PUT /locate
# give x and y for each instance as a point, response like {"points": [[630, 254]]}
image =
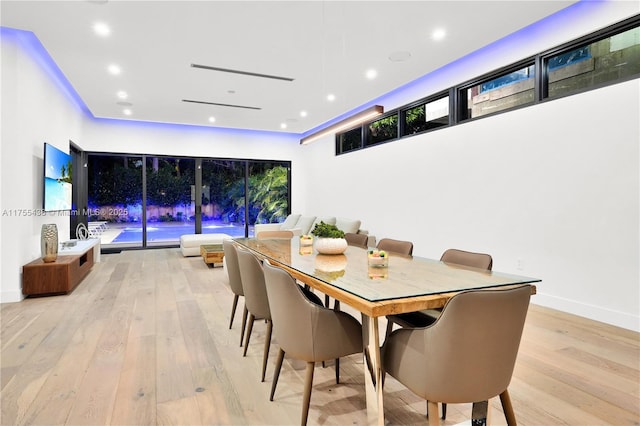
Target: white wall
{"points": [[553, 188], [34, 111]]}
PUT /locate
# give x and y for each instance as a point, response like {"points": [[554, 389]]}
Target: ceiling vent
{"points": [[252, 74], [221, 105]]}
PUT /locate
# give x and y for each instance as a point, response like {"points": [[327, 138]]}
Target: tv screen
{"points": [[58, 171]]}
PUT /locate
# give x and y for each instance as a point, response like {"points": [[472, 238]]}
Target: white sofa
{"points": [[301, 224]]}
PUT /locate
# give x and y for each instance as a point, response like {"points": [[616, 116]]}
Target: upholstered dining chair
{"points": [[255, 295], [307, 331], [397, 246], [467, 355], [428, 316], [359, 240], [235, 282], [280, 235]]}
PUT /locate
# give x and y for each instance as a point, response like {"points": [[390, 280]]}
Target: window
{"points": [[382, 130], [605, 57], [505, 91], [349, 141], [609, 59], [426, 116]]}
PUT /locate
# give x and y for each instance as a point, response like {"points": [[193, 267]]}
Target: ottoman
{"points": [[190, 243]]}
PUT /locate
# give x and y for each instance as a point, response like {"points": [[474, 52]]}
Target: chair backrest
{"points": [[396, 246], [255, 292], [468, 354], [280, 235], [233, 269], [353, 239], [306, 330], [467, 258]]}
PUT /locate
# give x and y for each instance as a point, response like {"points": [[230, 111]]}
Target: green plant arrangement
{"points": [[325, 230]]}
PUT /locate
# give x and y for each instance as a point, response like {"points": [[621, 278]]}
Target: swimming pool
{"points": [[171, 232]]}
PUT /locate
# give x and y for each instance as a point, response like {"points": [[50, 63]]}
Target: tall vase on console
{"points": [[49, 242]]}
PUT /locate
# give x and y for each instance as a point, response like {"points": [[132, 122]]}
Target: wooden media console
{"points": [[59, 277]]}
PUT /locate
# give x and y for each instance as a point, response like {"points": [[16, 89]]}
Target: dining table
{"points": [[405, 284]]}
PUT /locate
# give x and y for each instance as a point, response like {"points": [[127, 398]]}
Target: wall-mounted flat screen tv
{"points": [[58, 171]]}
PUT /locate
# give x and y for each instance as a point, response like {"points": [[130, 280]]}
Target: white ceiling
{"points": [[325, 47]]}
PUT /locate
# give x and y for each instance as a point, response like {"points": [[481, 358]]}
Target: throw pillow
{"points": [[304, 224], [348, 225], [290, 221]]}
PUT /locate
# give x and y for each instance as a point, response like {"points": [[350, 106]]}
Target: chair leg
{"points": [[432, 408], [267, 345], [308, 383], [245, 312], [444, 411], [337, 371], [249, 329], [276, 373], [233, 309], [505, 399], [389, 328], [326, 301]]}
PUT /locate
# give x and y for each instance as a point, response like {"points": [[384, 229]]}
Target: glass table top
{"points": [[405, 276]]}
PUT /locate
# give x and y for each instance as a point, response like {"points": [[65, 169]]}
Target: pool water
{"points": [[171, 232]]}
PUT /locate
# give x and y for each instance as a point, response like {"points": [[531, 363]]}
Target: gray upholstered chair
{"points": [[280, 235], [396, 246], [428, 316], [359, 240], [255, 298], [307, 331], [235, 282], [467, 355]]}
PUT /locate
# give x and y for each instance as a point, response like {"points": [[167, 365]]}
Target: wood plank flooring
{"points": [[144, 340]]}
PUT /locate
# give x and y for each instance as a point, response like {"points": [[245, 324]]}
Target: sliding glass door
{"points": [[115, 199], [147, 201]]}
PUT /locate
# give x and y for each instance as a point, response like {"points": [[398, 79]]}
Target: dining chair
{"points": [[354, 239], [256, 301], [307, 331], [428, 316], [235, 282], [467, 355], [396, 246], [280, 235]]}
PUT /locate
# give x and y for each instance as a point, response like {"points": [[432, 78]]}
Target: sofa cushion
{"points": [[304, 224], [290, 221], [348, 225]]}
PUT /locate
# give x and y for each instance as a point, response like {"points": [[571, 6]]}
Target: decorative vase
{"points": [[331, 245], [49, 242]]}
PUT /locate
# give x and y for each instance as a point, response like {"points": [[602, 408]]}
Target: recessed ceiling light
{"points": [[212, 119], [101, 29], [331, 97], [303, 113], [283, 125], [438, 34], [127, 111], [122, 94], [114, 69], [371, 74]]}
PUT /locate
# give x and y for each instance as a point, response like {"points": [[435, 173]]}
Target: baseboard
{"points": [[11, 297], [596, 313]]}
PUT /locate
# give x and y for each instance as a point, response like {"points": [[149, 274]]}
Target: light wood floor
{"points": [[144, 340]]}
